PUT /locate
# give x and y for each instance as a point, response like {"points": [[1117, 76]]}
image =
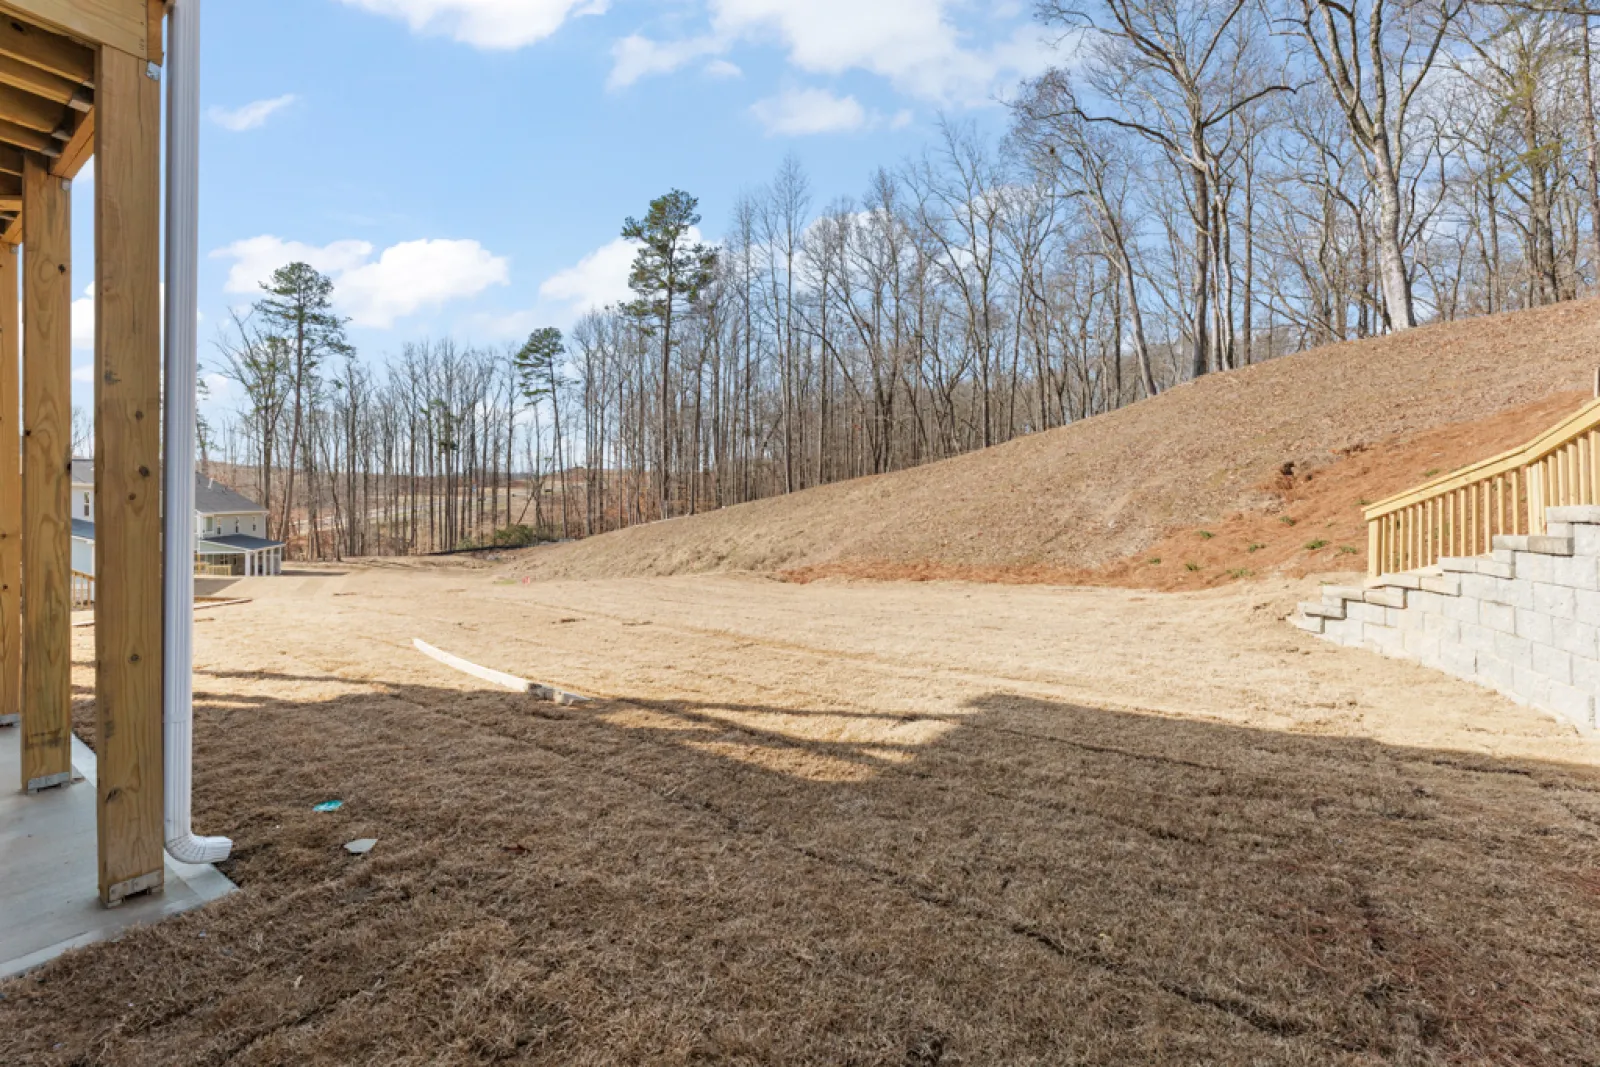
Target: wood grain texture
{"points": [[128, 638], [31, 79], [47, 477], [32, 140], [29, 111], [76, 152], [120, 24], [10, 487], [45, 50]]}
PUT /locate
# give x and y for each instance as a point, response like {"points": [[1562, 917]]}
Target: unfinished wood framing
{"points": [[128, 632], [10, 492], [119, 24], [47, 481]]}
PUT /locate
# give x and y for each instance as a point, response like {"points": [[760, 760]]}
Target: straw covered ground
{"points": [[1105, 492], [848, 823]]}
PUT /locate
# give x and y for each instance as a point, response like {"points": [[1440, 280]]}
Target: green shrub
{"points": [[1206, 535], [1313, 546], [1191, 566], [1286, 520], [1257, 547]]}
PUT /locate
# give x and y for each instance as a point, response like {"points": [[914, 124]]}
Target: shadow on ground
{"points": [[1032, 882]]}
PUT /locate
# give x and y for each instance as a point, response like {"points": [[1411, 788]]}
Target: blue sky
{"points": [[463, 167]]}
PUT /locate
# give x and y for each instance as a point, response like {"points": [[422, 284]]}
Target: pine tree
{"points": [[297, 312], [669, 270], [539, 371]]}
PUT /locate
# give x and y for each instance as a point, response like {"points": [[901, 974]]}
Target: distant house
{"points": [[230, 528]]}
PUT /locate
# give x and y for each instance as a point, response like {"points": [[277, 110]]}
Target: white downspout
{"points": [[182, 341]]}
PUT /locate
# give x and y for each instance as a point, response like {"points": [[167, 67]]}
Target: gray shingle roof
{"points": [[211, 497]]}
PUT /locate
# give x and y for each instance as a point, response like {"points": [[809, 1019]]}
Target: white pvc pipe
{"points": [[182, 346]]}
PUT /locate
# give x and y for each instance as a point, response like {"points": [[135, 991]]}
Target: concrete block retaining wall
{"points": [[1524, 621]]}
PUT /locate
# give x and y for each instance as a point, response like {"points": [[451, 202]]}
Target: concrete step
{"points": [[1541, 544], [1583, 513], [1324, 610]]}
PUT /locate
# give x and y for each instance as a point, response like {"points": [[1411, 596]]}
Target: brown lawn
{"points": [[850, 823]]}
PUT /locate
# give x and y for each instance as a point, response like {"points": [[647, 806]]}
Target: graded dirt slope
{"points": [[846, 823], [1107, 489]]}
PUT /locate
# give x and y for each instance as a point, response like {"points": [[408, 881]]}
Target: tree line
{"points": [[1196, 186]]}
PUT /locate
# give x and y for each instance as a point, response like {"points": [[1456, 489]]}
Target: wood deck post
{"points": [[10, 491], [46, 478], [128, 642]]}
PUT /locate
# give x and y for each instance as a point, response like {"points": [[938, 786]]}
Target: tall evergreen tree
{"points": [[670, 270], [539, 370], [297, 312]]}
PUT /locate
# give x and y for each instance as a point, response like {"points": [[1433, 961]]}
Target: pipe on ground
{"points": [[182, 301]]}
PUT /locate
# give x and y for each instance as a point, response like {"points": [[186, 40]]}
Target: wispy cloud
{"points": [[802, 112], [495, 25], [916, 45], [251, 116], [403, 279]]}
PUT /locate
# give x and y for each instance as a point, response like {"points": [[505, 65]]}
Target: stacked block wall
{"points": [[1524, 621]]}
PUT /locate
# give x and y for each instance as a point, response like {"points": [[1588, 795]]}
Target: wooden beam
{"points": [[30, 111], [156, 14], [45, 50], [10, 493], [127, 444], [32, 140], [119, 24], [10, 160], [76, 152], [47, 481], [31, 79]]}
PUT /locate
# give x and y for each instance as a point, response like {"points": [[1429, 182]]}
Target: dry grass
{"points": [[1108, 489], [1006, 875], [1298, 507]]}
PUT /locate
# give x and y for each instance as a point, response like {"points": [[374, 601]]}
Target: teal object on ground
{"points": [[329, 805]]}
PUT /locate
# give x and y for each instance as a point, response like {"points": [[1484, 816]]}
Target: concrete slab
{"points": [[49, 892]]}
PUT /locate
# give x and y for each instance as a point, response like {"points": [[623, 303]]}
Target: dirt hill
{"points": [[1304, 439]]}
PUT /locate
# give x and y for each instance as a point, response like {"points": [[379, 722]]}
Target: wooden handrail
{"points": [[1461, 513], [82, 589]]}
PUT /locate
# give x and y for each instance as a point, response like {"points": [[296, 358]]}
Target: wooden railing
{"points": [[82, 590], [1460, 514], [213, 570]]}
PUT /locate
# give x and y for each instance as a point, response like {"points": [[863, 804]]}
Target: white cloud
{"points": [[218, 386], [404, 279], [499, 25], [800, 112], [251, 116], [914, 44], [721, 68], [83, 320], [83, 374], [414, 275], [635, 57], [598, 279], [255, 258]]}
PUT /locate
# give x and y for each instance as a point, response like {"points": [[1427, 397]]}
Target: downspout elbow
{"points": [[192, 849]]}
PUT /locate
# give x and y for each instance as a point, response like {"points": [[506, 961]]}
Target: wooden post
{"points": [[10, 493], [128, 649], [46, 479]]}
